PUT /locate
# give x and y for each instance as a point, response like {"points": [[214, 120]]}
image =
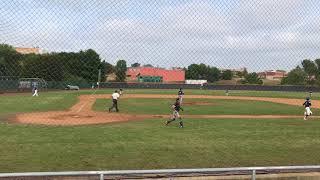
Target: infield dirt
{"points": [[81, 113]]}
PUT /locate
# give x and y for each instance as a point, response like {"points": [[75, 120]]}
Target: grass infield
{"points": [[202, 106]]}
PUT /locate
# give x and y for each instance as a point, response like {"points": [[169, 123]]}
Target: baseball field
{"points": [[72, 130]]}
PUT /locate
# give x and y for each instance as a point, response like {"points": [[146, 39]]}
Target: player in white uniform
{"points": [[35, 91], [115, 97]]}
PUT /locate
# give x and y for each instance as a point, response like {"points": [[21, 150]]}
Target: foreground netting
{"points": [[210, 173], [89, 85]]}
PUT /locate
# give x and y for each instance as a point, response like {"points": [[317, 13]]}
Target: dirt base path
{"points": [[82, 114]]}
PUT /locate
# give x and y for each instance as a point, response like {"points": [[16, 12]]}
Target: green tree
{"points": [[213, 74], [317, 62], [45, 66], [90, 63], [202, 71], [109, 68], [72, 65], [29, 65], [106, 68], [192, 71], [243, 73], [252, 78], [135, 65], [147, 65], [296, 76], [311, 69], [226, 75], [121, 69], [10, 61]]}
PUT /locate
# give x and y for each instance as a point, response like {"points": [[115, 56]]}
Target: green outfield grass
{"points": [[148, 145], [212, 106], [276, 94], [45, 102]]}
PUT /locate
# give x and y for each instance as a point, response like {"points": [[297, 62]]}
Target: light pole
{"points": [[99, 78]]}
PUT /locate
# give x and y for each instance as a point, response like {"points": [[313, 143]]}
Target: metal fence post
{"points": [[101, 177], [253, 175]]}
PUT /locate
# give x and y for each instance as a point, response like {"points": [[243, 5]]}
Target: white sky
{"points": [[257, 34]]}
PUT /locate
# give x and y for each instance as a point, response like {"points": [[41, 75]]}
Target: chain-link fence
{"points": [[229, 63], [251, 42]]}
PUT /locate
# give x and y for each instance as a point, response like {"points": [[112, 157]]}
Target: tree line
{"points": [[82, 66], [306, 74], [213, 74]]}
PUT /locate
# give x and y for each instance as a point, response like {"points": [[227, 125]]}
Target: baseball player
{"points": [[120, 92], [35, 91], [176, 108], [115, 97], [180, 95], [307, 106]]}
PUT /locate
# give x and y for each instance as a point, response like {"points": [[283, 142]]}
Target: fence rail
{"points": [[253, 171], [210, 87], [13, 86]]}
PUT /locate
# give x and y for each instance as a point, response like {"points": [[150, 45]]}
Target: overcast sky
{"points": [[257, 34]]}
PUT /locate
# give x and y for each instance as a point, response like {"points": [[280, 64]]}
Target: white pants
{"points": [[35, 93], [175, 114], [180, 99], [308, 112]]}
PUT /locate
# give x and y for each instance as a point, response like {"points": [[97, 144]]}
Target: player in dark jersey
{"points": [[307, 106], [180, 95], [176, 107]]}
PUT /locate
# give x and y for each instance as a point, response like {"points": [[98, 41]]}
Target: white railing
{"points": [[102, 174]]}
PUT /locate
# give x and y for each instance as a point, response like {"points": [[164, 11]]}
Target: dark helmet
{"points": [[180, 89], [120, 89], [177, 99], [116, 91], [307, 98]]}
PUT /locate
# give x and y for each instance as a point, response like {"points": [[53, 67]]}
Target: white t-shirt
{"points": [[115, 96]]}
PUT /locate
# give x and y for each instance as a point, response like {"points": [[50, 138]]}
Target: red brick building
{"points": [[152, 74]]}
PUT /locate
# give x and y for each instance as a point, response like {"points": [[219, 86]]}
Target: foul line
{"points": [[91, 95]]}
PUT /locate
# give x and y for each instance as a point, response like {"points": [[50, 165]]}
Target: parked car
{"points": [[70, 87]]}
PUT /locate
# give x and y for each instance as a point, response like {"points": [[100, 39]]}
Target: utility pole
{"points": [[99, 78]]}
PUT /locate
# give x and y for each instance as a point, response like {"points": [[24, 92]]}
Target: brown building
{"points": [[23, 50], [273, 74]]}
